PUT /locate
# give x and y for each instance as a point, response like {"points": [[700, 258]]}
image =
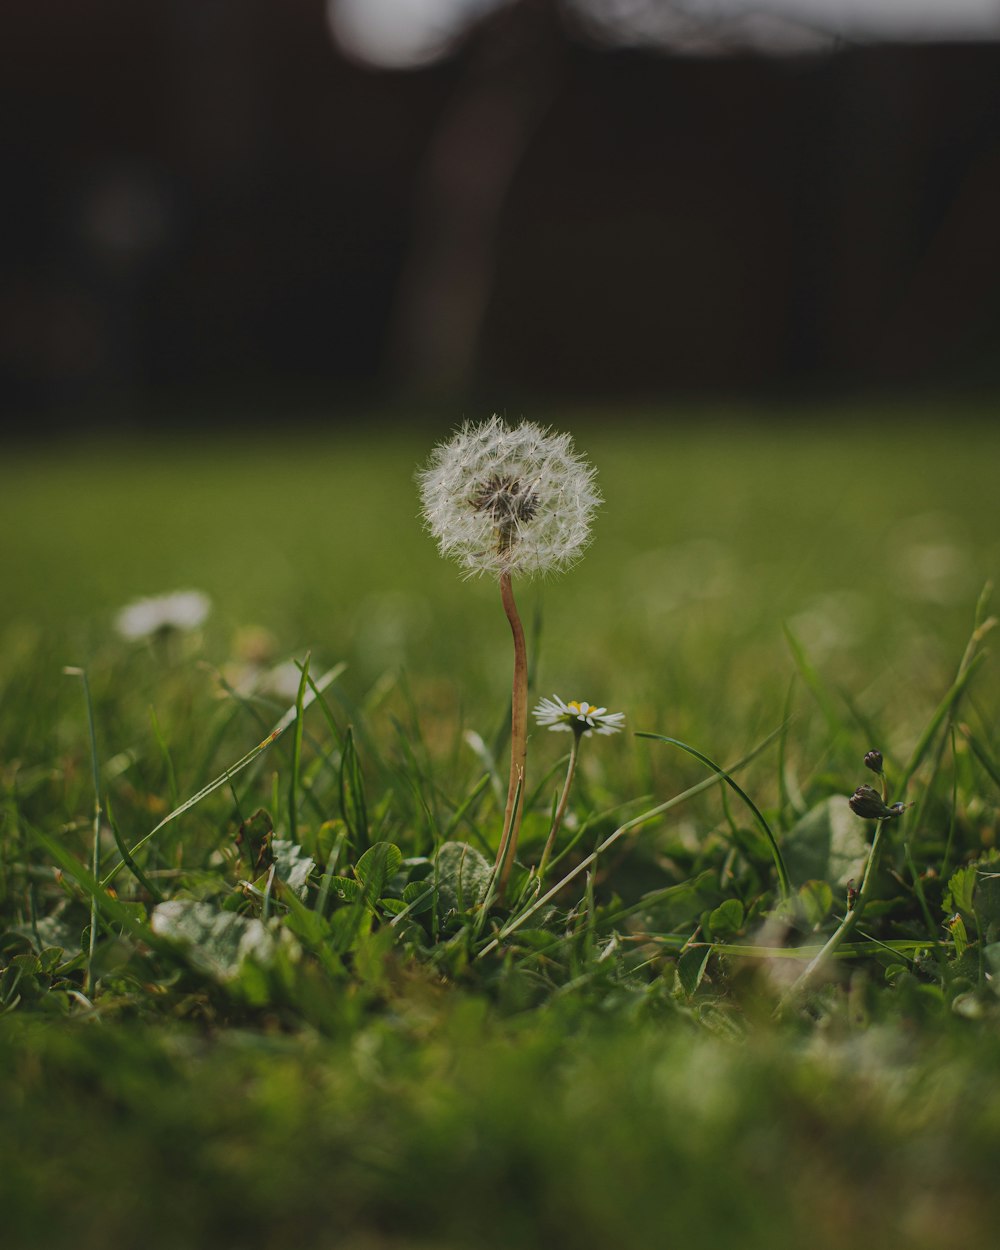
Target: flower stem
{"points": [[557, 819], [846, 925], [518, 732]]}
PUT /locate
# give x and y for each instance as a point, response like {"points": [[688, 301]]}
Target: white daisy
{"points": [[182, 611], [579, 716]]}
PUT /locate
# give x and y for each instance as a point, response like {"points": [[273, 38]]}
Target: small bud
{"points": [[852, 895], [867, 803], [873, 760]]}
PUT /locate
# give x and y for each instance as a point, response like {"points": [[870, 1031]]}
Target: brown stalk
{"points": [[518, 736]]}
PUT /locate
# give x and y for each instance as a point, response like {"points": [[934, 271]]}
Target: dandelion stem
{"points": [[560, 810], [518, 733]]}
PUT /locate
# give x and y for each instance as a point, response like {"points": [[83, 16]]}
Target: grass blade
{"points": [[815, 684], [353, 807], [776, 855], [95, 859], [982, 755], [293, 782], [289, 718], [130, 863], [635, 823]]}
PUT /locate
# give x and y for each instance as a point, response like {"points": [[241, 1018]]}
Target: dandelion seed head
{"points": [[508, 499]]}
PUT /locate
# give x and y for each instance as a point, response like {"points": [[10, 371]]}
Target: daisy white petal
{"points": [[578, 715], [183, 610]]}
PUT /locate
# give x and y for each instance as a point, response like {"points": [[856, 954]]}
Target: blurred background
{"points": [[232, 209]]}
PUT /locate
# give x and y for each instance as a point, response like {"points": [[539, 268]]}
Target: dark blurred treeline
{"points": [[206, 204]]}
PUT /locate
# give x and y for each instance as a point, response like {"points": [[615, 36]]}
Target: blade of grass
{"points": [[493, 886], [850, 919], [815, 684], [95, 858], [654, 897], [330, 871], [330, 676], [635, 823], [463, 812], [967, 666], [130, 863], [293, 780], [110, 909], [168, 762], [943, 716], [283, 724], [789, 794], [846, 950], [353, 807], [776, 855], [982, 755], [415, 779], [595, 817]]}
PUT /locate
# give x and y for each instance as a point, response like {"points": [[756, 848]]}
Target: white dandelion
{"points": [[507, 500]]}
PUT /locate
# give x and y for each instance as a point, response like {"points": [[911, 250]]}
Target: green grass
{"points": [[286, 1017]]}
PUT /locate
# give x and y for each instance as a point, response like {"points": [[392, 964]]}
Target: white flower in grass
{"points": [[181, 611], [504, 499], [579, 716]]}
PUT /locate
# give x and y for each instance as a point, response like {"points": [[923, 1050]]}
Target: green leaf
{"points": [[463, 876], [974, 891], [675, 905], [47, 933], [991, 954], [535, 939], [377, 866], [319, 843], [216, 942], [109, 956], [346, 887], [292, 865], [815, 899], [419, 896], [691, 968], [726, 918], [986, 896], [254, 841], [349, 925], [959, 935], [961, 886], [827, 844]]}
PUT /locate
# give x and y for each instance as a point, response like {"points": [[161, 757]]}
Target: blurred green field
{"points": [[869, 536]]}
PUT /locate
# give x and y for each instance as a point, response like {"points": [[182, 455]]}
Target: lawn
{"points": [[273, 996]]}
